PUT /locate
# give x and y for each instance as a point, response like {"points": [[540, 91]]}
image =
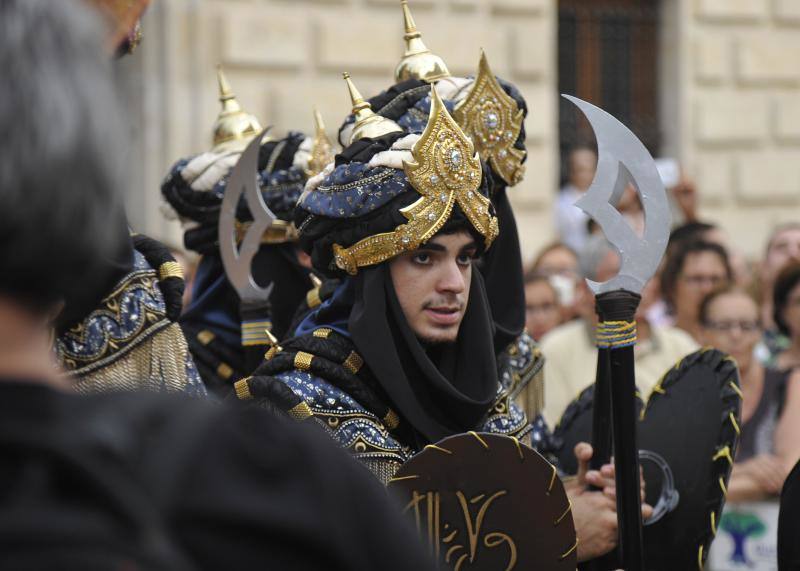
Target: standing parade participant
{"points": [[339, 366], [228, 337], [124, 335]]}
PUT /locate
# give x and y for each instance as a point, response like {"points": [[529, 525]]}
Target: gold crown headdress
{"points": [[321, 148], [234, 126], [445, 171], [494, 121], [368, 123], [418, 61]]}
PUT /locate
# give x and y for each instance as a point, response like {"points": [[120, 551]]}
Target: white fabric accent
{"points": [[316, 180], [207, 169], [303, 154], [394, 157], [454, 89], [346, 133]]}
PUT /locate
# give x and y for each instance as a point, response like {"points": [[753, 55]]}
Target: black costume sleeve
{"points": [[276, 495]]}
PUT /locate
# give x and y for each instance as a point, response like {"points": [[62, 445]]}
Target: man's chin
{"points": [[438, 337]]}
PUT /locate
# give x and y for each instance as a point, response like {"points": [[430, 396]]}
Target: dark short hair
{"points": [[786, 281], [689, 232], [719, 292], [677, 258], [61, 152]]}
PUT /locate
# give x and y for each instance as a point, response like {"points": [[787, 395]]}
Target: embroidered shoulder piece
{"points": [[130, 315]]}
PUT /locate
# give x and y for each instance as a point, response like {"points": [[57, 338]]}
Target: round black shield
{"points": [[688, 432], [486, 502]]}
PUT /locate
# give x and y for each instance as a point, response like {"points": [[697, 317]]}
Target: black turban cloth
{"points": [[502, 271], [439, 390], [215, 304]]}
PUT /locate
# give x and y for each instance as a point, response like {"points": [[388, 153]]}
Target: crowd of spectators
{"points": [[704, 294]]}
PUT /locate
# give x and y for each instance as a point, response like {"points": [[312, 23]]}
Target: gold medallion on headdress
{"points": [[445, 171], [321, 148], [494, 121]]}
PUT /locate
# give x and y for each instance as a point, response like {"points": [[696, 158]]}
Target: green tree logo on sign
{"points": [[741, 526]]}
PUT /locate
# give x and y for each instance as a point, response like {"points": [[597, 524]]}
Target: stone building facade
{"points": [[729, 89]]}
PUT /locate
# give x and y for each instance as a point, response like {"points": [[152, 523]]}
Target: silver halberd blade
{"points": [[238, 260], [622, 158]]}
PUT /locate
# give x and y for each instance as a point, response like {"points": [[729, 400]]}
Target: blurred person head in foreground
{"points": [[127, 481]]}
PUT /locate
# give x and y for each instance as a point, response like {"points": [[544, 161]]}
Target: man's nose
{"points": [[452, 278]]}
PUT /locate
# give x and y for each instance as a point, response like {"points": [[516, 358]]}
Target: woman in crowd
{"points": [[543, 310], [692, 271], [786, 314], [769, 447], [559, 263]]}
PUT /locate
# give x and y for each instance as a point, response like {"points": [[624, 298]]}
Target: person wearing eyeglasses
{"points": [[768, 447], [692, 271]]}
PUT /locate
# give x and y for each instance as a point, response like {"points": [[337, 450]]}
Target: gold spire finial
{"points": [[321, 148], [368, 123], [418, 62], [234, 127]]}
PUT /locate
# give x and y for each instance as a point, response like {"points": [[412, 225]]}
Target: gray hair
{"points": [[62, 151]]}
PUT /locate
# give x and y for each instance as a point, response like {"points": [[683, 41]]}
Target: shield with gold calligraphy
{"points": [[487, 502]]}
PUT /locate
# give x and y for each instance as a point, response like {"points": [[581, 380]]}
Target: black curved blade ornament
{"points": [[622, 158], [236, 259]]}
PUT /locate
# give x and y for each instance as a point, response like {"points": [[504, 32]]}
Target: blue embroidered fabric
{"points": [[354, 189]]}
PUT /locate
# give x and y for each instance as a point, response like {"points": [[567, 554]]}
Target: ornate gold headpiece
{"points": [[368, 123], [321, 148], [446, 170], [233, 124], [494, 120], [418, 62]]}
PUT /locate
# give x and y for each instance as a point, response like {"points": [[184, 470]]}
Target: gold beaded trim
{"points": [[224, 370], [300, 412], [446, 170], [205, 337], [272, 351], [170, 270], [494, 121], [391, 420], [353, 363], [242, 389], [302, 361], [278, 232], [322, 332], [312, 298]]}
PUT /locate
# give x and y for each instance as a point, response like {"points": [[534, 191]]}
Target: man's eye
{"points": [[464, 259], [421, 258]]}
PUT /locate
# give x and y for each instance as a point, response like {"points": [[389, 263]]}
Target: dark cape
{"points": [[135, 481]]}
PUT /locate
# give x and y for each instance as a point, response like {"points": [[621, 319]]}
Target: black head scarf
{"points": [[439, 390], [502, 271]]}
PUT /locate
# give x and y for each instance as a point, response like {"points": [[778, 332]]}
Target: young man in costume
{"points": [[228, 338], [493, 114], [124, 481]]}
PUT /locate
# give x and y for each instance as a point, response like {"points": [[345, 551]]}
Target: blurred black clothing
{"points": [[121, 481]]}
